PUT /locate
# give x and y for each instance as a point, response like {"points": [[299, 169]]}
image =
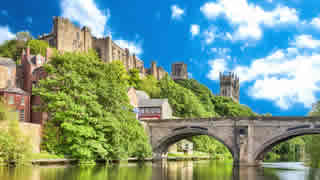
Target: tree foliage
{"points": [[90, 114], [15, 147], [13, 48], [150, 85], [38, 46]]}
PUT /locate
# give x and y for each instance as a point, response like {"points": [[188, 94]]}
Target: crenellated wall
{"points": [[66, 36]]}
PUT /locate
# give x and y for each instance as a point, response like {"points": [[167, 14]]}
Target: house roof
{"points": [[141, 95], [14, 90], [6, 62], [152, 102]]}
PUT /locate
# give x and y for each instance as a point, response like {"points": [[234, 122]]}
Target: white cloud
{"points": [[315, 22], [248, 18], [306, 41], [210, 35], [194, 29], [217, 66], [286, 77], [5, 34], [221, 52], [134, 48], [176, 12], [86, 13]]}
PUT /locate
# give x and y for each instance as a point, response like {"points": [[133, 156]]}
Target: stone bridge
{"points": [[248, 139]]}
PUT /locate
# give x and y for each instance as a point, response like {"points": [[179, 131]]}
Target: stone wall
{"points": [[179, 71], [68, 37], [7, 76], [34, 132]]}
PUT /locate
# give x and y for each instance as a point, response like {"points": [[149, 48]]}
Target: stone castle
{"points": [[65, 36]]}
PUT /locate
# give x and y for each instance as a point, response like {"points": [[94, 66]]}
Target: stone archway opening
{"points": [[289, 135], [161, 149]]}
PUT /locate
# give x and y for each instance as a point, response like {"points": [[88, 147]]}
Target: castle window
{"points": [[22, 101], [98, 52], [78, 36], [51, 42]]}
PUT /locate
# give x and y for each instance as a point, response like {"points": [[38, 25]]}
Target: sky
{"points": [[272, 45]]}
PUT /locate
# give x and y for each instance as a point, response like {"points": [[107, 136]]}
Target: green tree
{"points": [[15, 147], [134, 77], [150, 85], [38, 46], [183, 102], [90, 114]]}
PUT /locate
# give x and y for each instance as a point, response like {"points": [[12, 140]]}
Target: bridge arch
{"points": [[163, 144], [289, 134]]}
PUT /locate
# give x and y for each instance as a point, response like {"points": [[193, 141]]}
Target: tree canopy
{"points": [[90, 114]]}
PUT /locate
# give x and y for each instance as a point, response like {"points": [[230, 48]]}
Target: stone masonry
{"points": [[248, 139], [65, 36]]}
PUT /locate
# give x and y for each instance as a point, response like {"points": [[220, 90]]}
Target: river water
{"points": [[187, 170]]}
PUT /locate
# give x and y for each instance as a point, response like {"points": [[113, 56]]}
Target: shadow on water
{"points": [[184, 170]]}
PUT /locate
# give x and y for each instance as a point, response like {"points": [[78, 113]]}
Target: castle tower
{"points": [[179, 71], [229, 86]]}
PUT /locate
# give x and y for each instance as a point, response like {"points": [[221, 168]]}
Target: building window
{"points": [[39, 61], [22, 101], [11, 100], [78, 36], [21, 115], [99, 52]]}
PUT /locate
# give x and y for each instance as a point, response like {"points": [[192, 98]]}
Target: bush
{"points": [[15, 147]]}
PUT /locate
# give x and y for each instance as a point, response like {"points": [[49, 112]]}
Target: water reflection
{"points": [[186, 170]]}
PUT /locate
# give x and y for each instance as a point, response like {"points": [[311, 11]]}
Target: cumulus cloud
{"points": [[211, 34], [5, 34], [286, 76], [86, 13], [217, 66], [134, 48], [247, 17], [176, 12], [315, 22], [194, 29], [306, 41]]}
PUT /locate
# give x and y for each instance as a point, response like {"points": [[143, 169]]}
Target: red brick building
{"points": [[31, 71], [18, 100]]}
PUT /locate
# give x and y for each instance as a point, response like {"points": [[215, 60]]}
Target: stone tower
{"points": [[179, 71], [229, 86]]}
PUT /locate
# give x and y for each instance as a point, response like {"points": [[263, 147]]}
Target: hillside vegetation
{"points": [[189, 98]]}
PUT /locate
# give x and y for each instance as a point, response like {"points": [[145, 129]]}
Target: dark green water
{"points": [[200, 170]]}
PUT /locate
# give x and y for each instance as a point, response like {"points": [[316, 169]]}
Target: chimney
{"points": [[28, 52]]}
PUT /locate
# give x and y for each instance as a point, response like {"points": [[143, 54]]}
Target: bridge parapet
{"points": [[247, 138]]}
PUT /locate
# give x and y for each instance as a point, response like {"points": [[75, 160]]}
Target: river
{"points": [[187, 170]]}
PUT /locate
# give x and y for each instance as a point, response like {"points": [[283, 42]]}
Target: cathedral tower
{"points": [[229, 86]]}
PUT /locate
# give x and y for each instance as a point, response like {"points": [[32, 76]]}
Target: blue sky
{"points": [[273, 45]]}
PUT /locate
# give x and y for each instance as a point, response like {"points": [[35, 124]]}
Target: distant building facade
{"points": [[17, 99], [179, 71], [152, 108], [65, 36], [229, 85]]}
